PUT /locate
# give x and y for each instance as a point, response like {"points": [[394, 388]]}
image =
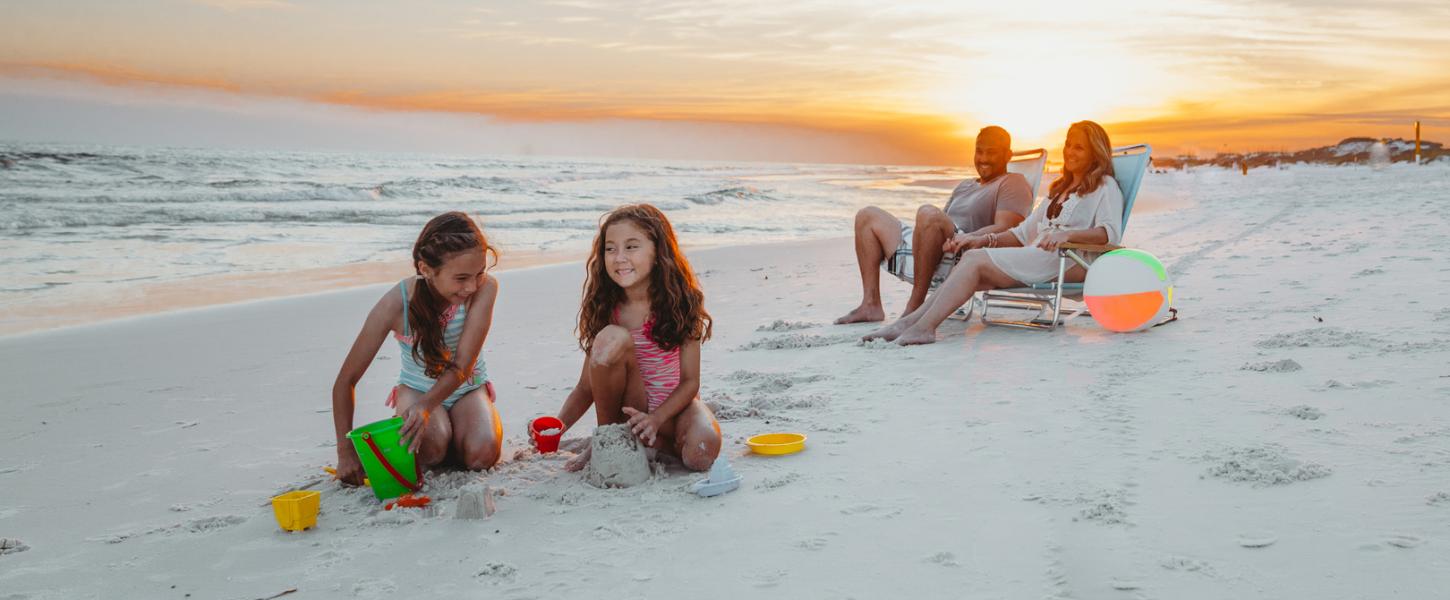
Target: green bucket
{"points": [[390, 467]]}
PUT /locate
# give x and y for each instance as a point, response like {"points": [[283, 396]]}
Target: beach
{"points": [[1288, 437]]}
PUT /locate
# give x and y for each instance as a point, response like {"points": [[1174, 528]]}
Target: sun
{"points": [[1036, 94]]}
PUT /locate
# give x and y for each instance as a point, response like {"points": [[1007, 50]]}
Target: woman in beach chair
{"points": [[1084, 205], [440, 318]]}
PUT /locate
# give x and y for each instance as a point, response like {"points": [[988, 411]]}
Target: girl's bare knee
{"points": [[433, 449], [699, 452], [610, 345], [481, 457]]}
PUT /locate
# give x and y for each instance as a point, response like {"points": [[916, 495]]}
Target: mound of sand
{"points": [[784, 325], [799, 340], [1278, 366], [1265, 465], [616, 458]]}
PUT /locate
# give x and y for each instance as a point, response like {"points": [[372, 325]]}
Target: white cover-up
{"points": [[1029, 264]]}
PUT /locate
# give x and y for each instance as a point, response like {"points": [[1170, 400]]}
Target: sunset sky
{"points": [[830, 81]]}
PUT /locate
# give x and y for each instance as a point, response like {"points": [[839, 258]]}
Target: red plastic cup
{"points": [[546, 443]]}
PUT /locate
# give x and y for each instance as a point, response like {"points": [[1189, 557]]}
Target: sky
{"points": [[904, 82]]}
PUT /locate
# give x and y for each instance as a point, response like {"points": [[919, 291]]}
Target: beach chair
{"points": [[1129, 165], [1030, 164]]}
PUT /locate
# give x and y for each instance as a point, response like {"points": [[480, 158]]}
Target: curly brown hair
{"points": [[675, 298], [1102, 149], [444, 236]]}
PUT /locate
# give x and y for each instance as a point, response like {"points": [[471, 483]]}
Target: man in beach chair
{"points": [[994, 201]]}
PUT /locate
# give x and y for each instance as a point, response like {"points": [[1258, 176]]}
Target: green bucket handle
{"points": [[378, 452]]}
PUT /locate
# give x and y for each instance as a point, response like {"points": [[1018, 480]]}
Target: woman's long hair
{"points": [[675, 298], [1102, 163], [444, 236]]}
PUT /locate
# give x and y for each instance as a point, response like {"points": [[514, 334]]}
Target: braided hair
{"points": [[443, 237]]}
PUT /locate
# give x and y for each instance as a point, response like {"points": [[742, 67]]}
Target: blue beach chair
{"points": [[1129, 165]]}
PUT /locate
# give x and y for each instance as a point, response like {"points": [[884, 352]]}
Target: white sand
{"points": [[139, 454]]}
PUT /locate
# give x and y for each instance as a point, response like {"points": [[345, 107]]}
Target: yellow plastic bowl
{"points": [[777, 443], [297, 511]]}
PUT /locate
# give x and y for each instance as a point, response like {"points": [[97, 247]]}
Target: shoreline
{"points": [[210, 291], [182, 295]]}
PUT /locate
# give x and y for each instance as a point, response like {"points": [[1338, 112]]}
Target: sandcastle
{"points": [[474, 502], [616, 458]]}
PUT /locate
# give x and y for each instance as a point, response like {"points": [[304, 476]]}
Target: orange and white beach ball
{"points": [[1127, 290]]}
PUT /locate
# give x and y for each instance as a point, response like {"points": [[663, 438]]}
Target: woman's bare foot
{"points": [[863, 314], [579, 461], [888, 333], [914, 336]]}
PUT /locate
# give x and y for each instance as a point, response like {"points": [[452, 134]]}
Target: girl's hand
{"points": [[644, 425], [1052, 239], [414, 420], [349, 468]]}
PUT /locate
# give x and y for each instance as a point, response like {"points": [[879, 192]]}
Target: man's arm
{"points": [[1005, 219]]}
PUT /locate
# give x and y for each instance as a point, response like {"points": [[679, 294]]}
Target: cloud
{"points": [[236, 5]]}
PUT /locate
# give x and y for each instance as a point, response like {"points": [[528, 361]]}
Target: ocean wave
{"points": [[561, 223], [64, 158], [746, 193], [63, 219], [718, 228], [193, 195]]}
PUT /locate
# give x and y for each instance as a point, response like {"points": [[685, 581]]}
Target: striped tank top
{"points": [[659, 369], [414, 373]]}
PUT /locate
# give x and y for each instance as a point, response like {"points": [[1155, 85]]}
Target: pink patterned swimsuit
{"points": [[659, 369]]}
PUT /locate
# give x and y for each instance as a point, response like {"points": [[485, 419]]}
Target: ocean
{"points": [[85, 222]]}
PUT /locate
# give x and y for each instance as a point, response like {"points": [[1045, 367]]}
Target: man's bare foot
{"points": [[579, 461], [914, 336], [863, 314]]}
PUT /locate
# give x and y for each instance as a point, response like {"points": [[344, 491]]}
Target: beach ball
{"points": [[1127, 290]]}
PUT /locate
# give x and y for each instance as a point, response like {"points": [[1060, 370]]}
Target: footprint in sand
{"points": [[1305, 412], [12, 546], [945, 559], [1257, 540], [1126, 585], [815, 544], [770, 579], [871, 510], [776, 482], [1404, 541], [372, 587], [1183, 563], [202, 525], [497, 572]]}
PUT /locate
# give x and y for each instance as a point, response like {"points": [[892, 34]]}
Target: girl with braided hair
{"points": [[439, 318]]}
